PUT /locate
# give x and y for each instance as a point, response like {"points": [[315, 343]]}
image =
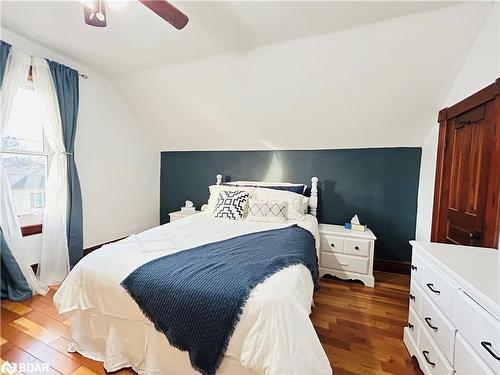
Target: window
{"points": [[24, 155]]}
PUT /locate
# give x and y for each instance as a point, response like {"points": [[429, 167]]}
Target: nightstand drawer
{"points": [[357, 247], [332, 243], [344, 262]]}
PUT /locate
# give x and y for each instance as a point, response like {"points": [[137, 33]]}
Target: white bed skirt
{"points": [[122, 343]]}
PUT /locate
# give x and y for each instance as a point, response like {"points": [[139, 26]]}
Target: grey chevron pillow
{"points": [[268, 211], [231, 205]]}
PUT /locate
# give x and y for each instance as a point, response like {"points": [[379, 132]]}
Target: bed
{"points": [[273, 335]]}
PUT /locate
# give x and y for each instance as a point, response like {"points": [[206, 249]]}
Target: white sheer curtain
{"points": [[54, 259], [16, 73]]}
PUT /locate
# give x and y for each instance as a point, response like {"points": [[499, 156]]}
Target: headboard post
{"points": [[219, 179], [313, 200]]}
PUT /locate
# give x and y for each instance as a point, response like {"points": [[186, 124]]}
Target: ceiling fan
{"points": [[94, 11]]}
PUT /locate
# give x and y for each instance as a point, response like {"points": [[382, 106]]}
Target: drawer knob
{"points": [[332, 245], [356, 247], [426, 354], [428, 321], [410, 326], [431, 287], [344, 264], [412, 297], [414, 268], [487, 345]]}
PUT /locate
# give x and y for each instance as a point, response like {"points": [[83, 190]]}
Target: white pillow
{"points": [[267, 211], [216, 189], [297, 204]]}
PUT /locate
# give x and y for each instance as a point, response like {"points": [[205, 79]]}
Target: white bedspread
{"points": [[274, 335]]}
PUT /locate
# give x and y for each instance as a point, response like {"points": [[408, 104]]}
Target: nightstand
{"points": [[181, 214], [346, 253]]}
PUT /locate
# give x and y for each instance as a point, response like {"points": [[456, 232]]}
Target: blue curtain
{"points": [[66, 84], [4, 53], [13, 283]]}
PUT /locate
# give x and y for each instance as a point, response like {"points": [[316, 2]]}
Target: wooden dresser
{"points": [[454, 314]]}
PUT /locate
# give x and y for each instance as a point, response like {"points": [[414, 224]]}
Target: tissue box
{"points": [[188, 209], [358, 227]]}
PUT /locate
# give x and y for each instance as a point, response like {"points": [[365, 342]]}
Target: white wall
{"points": [[117, 160], [376, 85], [481, 68]]}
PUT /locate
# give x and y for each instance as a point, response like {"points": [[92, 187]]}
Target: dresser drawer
{"points": [[479, 328], [438, 288], [434, 360], [415, 296], [332, 243], [439, 327], [417, 267], [467, 361], [357, 247], [344, 262]]}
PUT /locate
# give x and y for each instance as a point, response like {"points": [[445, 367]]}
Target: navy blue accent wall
{"points": [[380, 185]]}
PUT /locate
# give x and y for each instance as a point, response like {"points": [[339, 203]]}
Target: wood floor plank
{"points": [[16, 307], [35, 330], [48, 322], [82, 370], [61, 345], [39, 350], [34, 365]]}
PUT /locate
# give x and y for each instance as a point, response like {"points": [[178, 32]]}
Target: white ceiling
{"points": [[136, 38]]}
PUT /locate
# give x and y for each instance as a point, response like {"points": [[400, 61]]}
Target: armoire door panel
{"points": [[475, 169], [466, 178]]}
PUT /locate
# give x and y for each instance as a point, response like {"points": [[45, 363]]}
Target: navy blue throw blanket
{"points": [[195, 297]]}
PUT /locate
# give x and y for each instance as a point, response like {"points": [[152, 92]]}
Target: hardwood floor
{"points": [[359, 327]]}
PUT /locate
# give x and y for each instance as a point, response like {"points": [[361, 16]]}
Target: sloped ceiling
{"points": [[135, 38], [287, 75]]}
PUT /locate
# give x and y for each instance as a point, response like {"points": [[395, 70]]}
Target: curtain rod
{"points": [[83, 75]]}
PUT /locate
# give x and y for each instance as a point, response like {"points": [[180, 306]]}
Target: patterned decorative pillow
{"points": [[268, 211], [231, 204]]}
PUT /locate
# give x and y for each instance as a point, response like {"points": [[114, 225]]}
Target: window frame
{"points": [[32, 228]]}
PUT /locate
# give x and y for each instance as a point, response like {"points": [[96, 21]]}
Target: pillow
{"points": [[231, 205], [267, 211], [296, 204], [294, 188], [216, 189]]}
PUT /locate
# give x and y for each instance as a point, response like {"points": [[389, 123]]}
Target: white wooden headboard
{"points": [[313, 199]]}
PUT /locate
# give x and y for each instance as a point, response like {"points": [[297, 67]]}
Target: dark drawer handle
{"points": [[426, 353], [414, 268], [356, 247], [332, 245], [487, 345], [428, 321], [430, 286], [410, 326], [412, 297]]}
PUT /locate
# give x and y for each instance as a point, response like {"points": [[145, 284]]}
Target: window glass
{"points": [[24, 157], [24, 130], [26, 175]]}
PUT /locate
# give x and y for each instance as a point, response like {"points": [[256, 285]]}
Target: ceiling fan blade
{"points": [[167, 11], [95, 15]]}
